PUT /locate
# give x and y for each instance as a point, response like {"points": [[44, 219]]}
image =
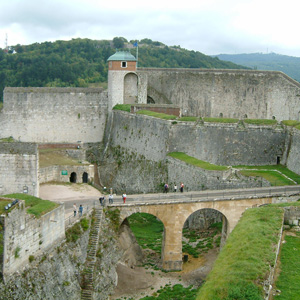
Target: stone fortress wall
{"points": [[24, 235], [229, 93], [55, 115], [19, 165]]}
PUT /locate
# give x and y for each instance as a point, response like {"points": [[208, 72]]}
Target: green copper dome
{"points": [[122, 56]]}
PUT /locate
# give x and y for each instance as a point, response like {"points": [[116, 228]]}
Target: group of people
{"points": [[80, 210], [166, 188], [111, 199]]}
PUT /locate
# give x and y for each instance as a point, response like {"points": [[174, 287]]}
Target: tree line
{"points": [[83, 62]]}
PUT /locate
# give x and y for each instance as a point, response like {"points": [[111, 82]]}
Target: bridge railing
{"points": [[212, 194]]}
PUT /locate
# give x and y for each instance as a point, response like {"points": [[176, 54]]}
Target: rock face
{"points": [[202, 219], [57, 273]]}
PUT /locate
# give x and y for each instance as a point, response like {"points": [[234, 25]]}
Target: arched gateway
{"points": [[173, 215]]}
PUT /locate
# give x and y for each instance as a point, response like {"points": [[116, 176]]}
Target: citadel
{"points": [[129, 151]]}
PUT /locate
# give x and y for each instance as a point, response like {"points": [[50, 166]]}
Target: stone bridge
{"points": [[174, 209]]}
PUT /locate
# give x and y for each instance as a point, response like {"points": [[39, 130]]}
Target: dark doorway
{"points": [[73, 177], [85, 177], [278, 160]]}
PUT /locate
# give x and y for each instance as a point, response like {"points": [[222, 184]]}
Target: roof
{"points": [[122, 56]]}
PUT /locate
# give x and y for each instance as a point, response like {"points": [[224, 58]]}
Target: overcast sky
{"points": [[208, 26]]}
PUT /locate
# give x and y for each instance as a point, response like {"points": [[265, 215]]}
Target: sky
{"points": [[208, 26]]}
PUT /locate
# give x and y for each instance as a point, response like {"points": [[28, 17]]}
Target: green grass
{"points": [[272, 176], [8, 140], [292, 123], [196, 162], [123, 107], [156, 115], [3, 203], [289, 277], [147, 230], [34, 205], [260, 121], [244, 261], [220, 120]]}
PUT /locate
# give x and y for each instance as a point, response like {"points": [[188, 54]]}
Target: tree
{"points": [[119, 42]]}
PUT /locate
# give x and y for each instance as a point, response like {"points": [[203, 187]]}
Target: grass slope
{"points": [[245, 260], [34, 205]]}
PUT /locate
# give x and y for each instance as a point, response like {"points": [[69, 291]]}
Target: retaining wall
{"points": [[25, 235]]}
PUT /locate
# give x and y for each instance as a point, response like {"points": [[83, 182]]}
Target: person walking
{"points": [[102, 199], [166, 188], [111, 199], [124, 196], [75, 209], [80, 210]]}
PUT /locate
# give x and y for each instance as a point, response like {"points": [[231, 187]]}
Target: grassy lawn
{"points": [[244, 261], [260, 121], [289, 277], [123, 107], [269, 172], [50, 157], [196, 162], [34, 205], [156, 115]]}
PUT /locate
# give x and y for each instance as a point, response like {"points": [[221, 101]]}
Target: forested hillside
{"points": [[290, 65], [83, 62]]}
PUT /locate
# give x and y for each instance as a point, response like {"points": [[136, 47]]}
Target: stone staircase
{"points": [[88, 272]]}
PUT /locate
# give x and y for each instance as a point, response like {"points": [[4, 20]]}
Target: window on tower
{"points": [[124, 64]]}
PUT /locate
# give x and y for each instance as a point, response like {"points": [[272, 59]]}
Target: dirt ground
{"points": [[139, 282], [83, 194]]}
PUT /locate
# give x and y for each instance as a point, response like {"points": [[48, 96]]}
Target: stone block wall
{"points": [[63, 173], [55, 115], [293, 151], [232, 93], [25, 235], [19, 168], [292, 215]]}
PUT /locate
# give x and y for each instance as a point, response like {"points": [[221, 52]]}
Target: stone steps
{"points": [[88, 273]]}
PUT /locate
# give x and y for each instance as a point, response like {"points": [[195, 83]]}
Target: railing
{"points": [[73, 219], [209, 195]]}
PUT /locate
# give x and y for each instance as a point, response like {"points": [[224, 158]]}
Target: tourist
{"points": [[175, 188], [75, 209], [110, 198], [166, 188], [80, 210], [124, 197], [181, 187], [102, 199]]}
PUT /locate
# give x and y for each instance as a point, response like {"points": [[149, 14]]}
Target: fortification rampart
{"points": [[55, 115], [218, 143], [24, 235], [19, 168], [293, 151], [231, 93]]}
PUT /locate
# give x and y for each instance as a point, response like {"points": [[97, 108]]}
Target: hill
{"points": [[290, 65], [83, 62]]}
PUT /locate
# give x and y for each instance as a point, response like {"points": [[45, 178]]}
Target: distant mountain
{"points": [[289, 65]]}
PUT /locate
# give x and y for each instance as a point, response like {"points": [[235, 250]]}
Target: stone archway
{"points": [[85, 177], [130, 88], [73, 177]]}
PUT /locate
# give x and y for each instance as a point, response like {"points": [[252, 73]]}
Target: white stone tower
{"points": [[122, 79]]}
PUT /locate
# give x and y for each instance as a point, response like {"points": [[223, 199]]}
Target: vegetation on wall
{"points": [[83, 62]]}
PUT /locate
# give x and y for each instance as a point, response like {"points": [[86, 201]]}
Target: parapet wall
{"points": [[24, 235], [231, 93], [54, 115], [19, 163]]}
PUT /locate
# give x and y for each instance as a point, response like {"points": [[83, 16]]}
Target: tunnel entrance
{"points": [[85, 177], [73, 177]]}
